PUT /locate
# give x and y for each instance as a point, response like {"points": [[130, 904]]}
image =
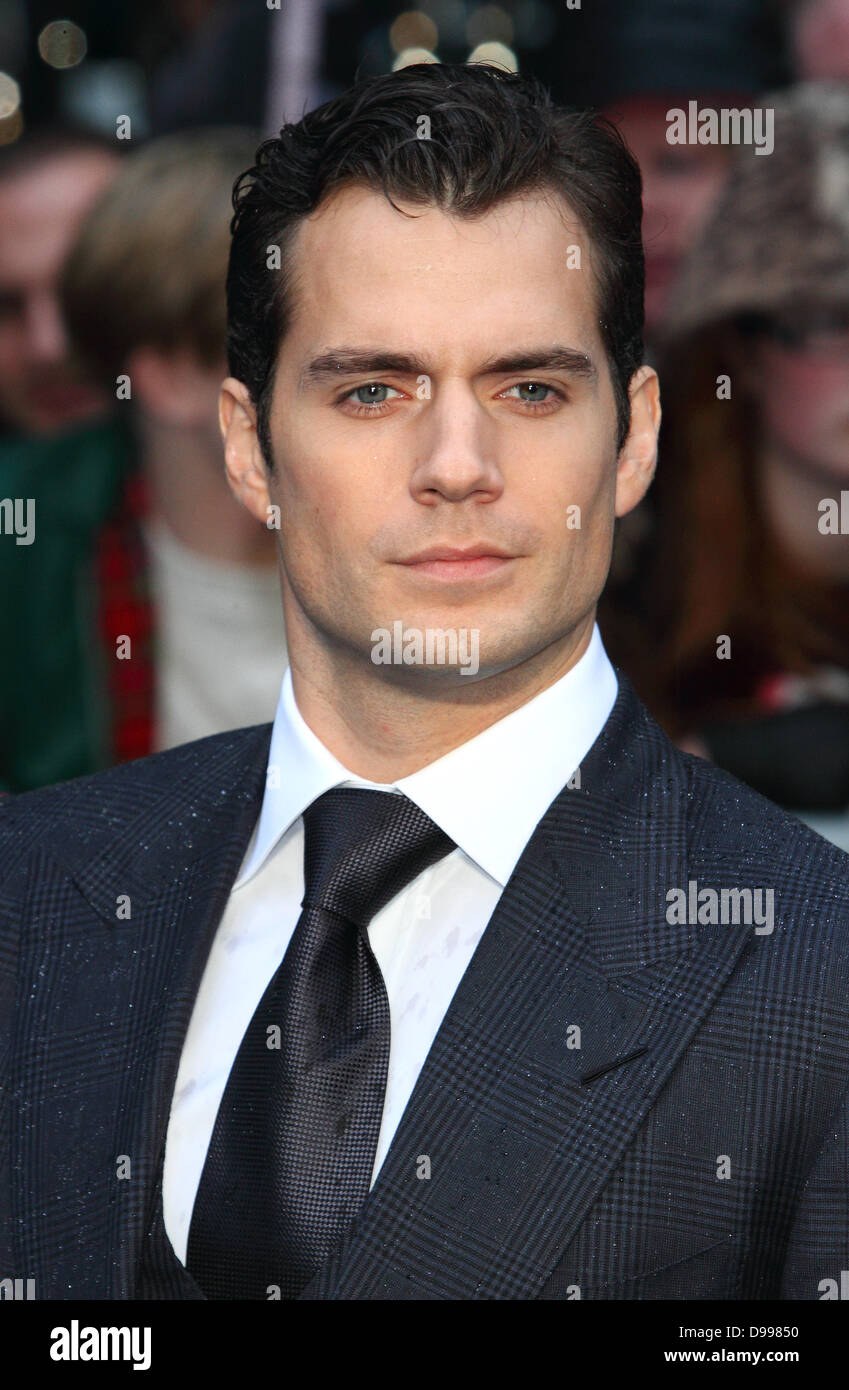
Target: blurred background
{"points": [[139, 604]]}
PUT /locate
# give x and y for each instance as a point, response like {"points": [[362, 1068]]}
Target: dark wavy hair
{"points": [[494, 134]]}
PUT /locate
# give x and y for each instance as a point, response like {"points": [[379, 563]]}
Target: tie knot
{"points": [[361, 847]]}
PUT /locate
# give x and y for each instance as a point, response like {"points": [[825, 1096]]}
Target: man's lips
{"points": [[453, 562]]}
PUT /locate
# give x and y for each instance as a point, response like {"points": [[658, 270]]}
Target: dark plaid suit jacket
{"points": [[694, 1146]]}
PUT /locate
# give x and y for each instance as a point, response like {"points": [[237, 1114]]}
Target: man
{"points": [[458, 981], [48, 180], [61, 466]]}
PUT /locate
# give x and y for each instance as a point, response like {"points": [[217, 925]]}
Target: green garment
{"points": [[55, 720]]}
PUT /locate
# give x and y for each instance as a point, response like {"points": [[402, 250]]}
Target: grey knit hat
{"points": [[779, 232]]}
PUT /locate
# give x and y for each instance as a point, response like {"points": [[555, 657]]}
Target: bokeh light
{"points": [[413, 55], [489, 23], [413, 29], [10, 96], [11, 117], [497, 55], [62, 43]]}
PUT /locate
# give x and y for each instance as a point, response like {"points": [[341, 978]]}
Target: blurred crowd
{"points": [[148, 611]]}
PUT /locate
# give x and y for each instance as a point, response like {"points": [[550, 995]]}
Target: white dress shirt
{"points": [[488, 794]]}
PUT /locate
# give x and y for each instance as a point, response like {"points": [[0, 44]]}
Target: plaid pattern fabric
{"points": [[689, 1141], [125, 610]]}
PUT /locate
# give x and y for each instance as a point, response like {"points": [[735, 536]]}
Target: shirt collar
{"points": [[488, 794]]}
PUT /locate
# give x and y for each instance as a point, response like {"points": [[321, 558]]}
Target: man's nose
{"points": [[458, 449]]}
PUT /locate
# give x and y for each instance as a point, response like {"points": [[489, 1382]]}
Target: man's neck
{"points": [[383, 731], [792, 489], [190, 495]]}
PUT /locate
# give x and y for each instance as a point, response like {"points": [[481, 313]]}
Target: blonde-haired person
{"points": [[181, 569]]}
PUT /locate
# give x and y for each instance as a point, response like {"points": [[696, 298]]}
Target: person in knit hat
{"points": [[732, 617], [656, 57]]}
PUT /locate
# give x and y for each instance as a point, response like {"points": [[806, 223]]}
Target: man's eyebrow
{"points": [[346, 361], [555, 358]]}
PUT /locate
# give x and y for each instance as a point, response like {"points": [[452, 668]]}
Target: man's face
{"points": [[455, 451], [40, 390]]}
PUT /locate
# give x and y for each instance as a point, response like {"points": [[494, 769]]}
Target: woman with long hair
{"points": [[729, 598]]}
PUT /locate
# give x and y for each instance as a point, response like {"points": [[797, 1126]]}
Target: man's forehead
{"points": [[377, 282], [540, 213]]}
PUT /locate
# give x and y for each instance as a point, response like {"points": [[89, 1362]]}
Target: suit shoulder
{"points": [[723, 812], [103, 802]]}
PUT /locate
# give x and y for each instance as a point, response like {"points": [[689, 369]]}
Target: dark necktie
{"points": [[293, 1148]]}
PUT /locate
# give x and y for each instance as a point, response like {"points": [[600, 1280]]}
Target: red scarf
{"points": [[126, 611]]}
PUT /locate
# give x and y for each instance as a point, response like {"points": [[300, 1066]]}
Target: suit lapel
{"points": [[175, 860], [512, 1129]]}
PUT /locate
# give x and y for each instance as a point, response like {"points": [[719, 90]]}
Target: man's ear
{"points": [[638, 455], [243, 460]]}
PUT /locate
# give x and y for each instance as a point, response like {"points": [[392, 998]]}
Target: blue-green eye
{"points": [[532, 386], [371, 399], [536, 386]]}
